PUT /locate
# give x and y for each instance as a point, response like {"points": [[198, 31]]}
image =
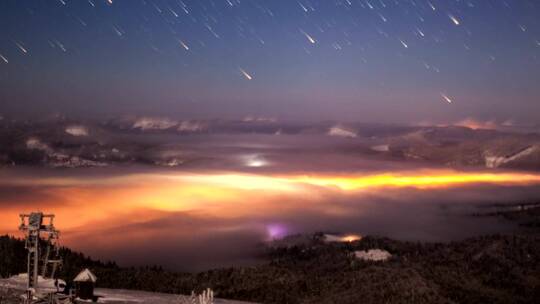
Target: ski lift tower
{"points": [[35, 226]]}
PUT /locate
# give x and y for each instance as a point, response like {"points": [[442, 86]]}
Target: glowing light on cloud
{"points": [[342, 238], [276, 231], [351, 238], [476, 124], [255, 161]]}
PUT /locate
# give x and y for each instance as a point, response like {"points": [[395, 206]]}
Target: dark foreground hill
{"points": [[492, 269]]}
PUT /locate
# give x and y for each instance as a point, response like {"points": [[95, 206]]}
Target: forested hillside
{"points": [[494, 269]]}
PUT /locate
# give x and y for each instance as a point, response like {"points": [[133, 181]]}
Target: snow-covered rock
{"points": [[66, 161], [35, 143], [173, 162], [191, 126], [77, 130], [154, 123], [373, 255], [258, 119], [381, 148], [341, 132]]}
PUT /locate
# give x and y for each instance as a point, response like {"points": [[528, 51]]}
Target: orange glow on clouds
{"points": [[80, 202]]}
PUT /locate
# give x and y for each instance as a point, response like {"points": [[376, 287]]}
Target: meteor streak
{"points": [[454, 19], [21, 47], [248, 77], [184, 45], [308, 37], [446, 98], [404, 44]]}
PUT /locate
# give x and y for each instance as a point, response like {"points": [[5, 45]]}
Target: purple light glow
{"points": [[276, 231]]}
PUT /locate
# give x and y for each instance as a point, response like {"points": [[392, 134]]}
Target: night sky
{"points": [[374, 60]]}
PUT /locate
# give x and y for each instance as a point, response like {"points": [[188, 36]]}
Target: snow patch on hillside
{"points": [[373, 255], [58, 159], [493, 161], [117, 296], [45, 284]]}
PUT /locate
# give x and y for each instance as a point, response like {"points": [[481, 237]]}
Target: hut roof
{"points": [[85, 276]]}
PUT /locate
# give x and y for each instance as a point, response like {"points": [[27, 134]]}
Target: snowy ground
{"points": [[113, 296]]}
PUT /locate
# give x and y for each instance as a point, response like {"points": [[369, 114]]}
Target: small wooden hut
{"points": [[84, 285]]}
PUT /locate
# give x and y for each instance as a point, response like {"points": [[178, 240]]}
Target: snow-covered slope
{"points": [[119, 296]]}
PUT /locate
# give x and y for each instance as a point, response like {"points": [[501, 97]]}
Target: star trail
{"points": [[376, 60]]}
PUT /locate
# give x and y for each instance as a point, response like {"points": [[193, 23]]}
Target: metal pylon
{"points": [[35, 226]]}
